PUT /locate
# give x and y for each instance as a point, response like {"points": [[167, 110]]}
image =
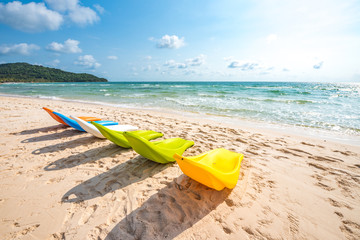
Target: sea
{"points": [[330, 110]]}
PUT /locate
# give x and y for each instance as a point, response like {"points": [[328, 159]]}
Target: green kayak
{"points": [[158, 151], [118, 138]]}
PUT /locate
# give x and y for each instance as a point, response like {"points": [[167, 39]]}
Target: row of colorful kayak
{"points": [[216, 169]]}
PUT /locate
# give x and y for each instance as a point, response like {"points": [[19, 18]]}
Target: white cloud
{"points": [[78, 14], [31, 17], [99, 8], [83, 16], [87, 61], [190, 72], [252, 66], [318, 65], [147, 68], [148, 58], [173, 64], [182, 65], [172, 42], [244, 65], [36, 17], [170, 64], [69, 46], [197, 61], [271, 38], [191, 62], [22, 48], [112, 57]]}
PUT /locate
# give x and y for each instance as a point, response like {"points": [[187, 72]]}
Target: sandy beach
{"points": [[59, 183]]}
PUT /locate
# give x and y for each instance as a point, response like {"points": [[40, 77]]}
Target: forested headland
{"points": [[24, 72]]}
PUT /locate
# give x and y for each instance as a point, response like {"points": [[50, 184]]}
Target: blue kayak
{"points": [[74, 124]]}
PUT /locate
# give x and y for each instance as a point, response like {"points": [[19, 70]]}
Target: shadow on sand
{"points": [[84, 141], [88, 156], [127, 173], [172, 210], [42, 129], [53, 136]]}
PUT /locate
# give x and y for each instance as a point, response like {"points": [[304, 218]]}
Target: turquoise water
{"points": [[325, 106]]}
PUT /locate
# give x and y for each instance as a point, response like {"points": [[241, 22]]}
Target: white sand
{"points": [[58, 183]]}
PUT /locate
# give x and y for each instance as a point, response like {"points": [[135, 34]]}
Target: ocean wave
{"points": [[304, 93], [278, 92], [182, 102], [297, 104], [48, 97], [297, 101], [331, 127], [207, 95], [181, 86], [269, 87]]}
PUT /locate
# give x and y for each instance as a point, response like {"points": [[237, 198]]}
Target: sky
{"points": [[187, 40]]}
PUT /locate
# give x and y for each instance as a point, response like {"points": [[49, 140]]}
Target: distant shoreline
{"points": [[25, 72]]}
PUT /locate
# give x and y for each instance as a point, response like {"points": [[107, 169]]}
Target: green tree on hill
{"points": [[24, 72]]}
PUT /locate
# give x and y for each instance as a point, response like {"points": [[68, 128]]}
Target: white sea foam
{"points": [[330, 107], [49, 97]]}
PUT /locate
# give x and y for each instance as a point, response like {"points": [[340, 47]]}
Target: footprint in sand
{"points": [[350, 228], [337, 204], [87, 214], [98, 232], [324, 186], [308, 144], [58, 236], [326, 159], [294, 224], [21, 233], [346, 153], [318, 166]]}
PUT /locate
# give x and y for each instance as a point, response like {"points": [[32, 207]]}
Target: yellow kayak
{"points": [[216, 169]]}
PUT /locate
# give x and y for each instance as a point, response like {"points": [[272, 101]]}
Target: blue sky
{"points": [[262, 40]]}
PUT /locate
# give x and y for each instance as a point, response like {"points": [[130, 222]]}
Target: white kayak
{"points": [[88, 127]]}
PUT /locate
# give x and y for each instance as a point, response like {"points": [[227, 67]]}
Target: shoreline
{"points": [[59, 183], [309, 132]]}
